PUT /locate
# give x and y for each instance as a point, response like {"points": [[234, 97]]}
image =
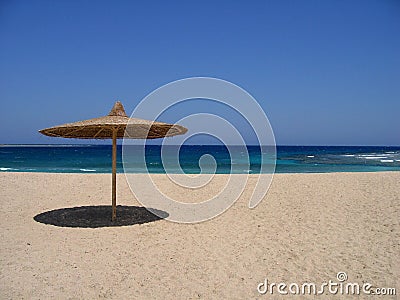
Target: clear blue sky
{"points": [[325, 72]]}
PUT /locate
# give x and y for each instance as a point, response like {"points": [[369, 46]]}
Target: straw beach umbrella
{"points": [[113, 127]]}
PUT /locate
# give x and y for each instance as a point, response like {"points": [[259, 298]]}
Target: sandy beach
{"points": [[308, 228]]}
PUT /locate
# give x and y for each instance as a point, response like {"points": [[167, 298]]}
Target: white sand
{"points": [[309, 227]]}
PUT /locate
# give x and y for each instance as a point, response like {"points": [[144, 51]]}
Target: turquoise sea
{"points": [[290, 159]]}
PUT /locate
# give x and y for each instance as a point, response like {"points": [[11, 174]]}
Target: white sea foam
{"points": [[348, 155], [387, 160], [87, 170], [375, 157], [311, 156], [6, 169]]}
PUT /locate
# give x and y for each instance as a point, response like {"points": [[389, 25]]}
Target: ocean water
{"points": [[290, 159]]}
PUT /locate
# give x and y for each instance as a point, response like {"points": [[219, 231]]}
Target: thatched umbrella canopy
{"points": [[113, 127]]}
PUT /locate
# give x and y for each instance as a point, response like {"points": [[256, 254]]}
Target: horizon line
{"points": [[277, 145]]}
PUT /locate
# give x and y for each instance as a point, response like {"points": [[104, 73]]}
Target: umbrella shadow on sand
{"points": [[116, 125], [99, 216]]}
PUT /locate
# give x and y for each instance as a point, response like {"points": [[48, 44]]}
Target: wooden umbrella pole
{"points": [[114, 175]]}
